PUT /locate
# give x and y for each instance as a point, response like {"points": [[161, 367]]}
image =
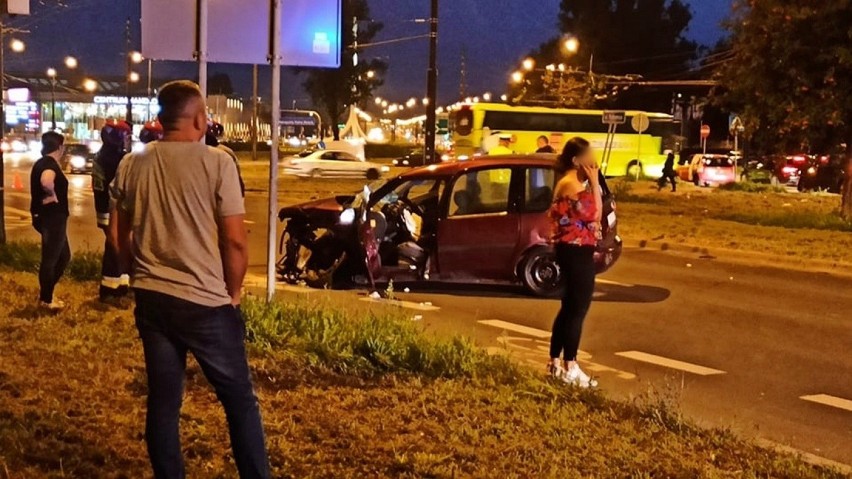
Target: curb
{"points": [[749, 258]]}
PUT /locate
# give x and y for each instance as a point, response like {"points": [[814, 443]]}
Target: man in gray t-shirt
{"points": [[178, 223]]}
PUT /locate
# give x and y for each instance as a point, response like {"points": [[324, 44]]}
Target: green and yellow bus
{"points": [[475, 127]]}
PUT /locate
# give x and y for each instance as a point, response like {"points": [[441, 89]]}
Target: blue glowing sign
{"points": [[310, 33]]}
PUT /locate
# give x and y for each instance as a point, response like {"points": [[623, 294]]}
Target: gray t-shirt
{"points": [[175, 193]]}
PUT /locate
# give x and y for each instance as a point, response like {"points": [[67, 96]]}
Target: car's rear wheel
{"points": [[372, 174], [634, 169], [540, 272]]}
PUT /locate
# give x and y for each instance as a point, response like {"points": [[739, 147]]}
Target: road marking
{"points": [[613, 283], [403, 304], [248, 222], [669, 363], [540, 350], [518, 328], [827, 400]]}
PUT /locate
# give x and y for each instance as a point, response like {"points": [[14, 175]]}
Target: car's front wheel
{"points": [[540, 272], [372, 174]]}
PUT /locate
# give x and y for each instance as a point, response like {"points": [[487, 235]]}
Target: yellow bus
{"points": [[476, 127]]}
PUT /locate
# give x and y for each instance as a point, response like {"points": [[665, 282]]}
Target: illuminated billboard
{"points": [[238, 32]]}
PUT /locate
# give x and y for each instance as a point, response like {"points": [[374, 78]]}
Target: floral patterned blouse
{"points": [[576, 222]]}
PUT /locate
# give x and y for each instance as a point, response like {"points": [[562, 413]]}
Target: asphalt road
{"points": [[763, 351]]}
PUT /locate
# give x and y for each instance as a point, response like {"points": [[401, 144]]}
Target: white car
{"points": [[332, 164]]}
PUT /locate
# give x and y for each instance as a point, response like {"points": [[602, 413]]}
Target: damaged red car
{"points": [[475, 222]]}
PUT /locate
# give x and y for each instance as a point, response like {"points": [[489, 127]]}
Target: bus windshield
{"points": [[477, 128]]}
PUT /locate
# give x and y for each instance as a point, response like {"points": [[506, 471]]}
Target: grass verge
{"points": [[26, 256], [342, 396], [782, 225]]}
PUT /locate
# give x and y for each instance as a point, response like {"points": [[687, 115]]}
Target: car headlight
{"points": [[77, 162], [812, 171], [385, 169], [405, 162], [347, 216]]}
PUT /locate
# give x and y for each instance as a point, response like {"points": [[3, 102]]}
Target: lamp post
{"points": [[133, 58], [16, 46], [70, 63]]}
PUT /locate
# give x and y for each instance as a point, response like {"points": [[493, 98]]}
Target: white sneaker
{"points": [[574, 375], [555, 369], [54, 306]]}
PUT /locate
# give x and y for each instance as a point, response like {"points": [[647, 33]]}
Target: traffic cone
{"points": [[17, 184]]}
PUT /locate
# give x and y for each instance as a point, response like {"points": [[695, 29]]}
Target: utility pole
{"points": [[432, 87], [201, 41], [2, 134], [254, 113], [128, 114], [463, 75]]}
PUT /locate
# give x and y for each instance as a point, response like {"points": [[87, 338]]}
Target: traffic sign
{"points": [[736, 125], [614, 117], [640, 122], [705, 131]]}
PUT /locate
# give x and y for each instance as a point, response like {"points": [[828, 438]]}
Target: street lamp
{"points": [[378, 100], [71, 62], [133, 57], [528, 64], [134, 77], [17, 46], [90, 85], [486, 96], [517, 77], [51, 73], [371, 74], [571, 44]]}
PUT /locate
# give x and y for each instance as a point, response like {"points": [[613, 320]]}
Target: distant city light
{"points": [[517, 77], [504, 97], [572, 45], [486, 96], [425, 101], [528, 64], [371, 74], [378, 100]]}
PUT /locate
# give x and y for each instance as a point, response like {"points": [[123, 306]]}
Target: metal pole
{"points": [[53, 103], [432, 87], [273, 157], [128, 114], [254, 113], [2, 134], [150, 69], [202, 46]]}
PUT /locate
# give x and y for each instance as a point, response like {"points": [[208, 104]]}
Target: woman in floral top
{"points": [[576, 217]]}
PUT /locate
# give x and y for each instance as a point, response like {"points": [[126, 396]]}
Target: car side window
{"points": [[538, 189], [327, 156], [346, 157], [481, 192]]}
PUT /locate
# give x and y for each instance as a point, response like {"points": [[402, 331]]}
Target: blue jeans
{"points": [[169, 328]]}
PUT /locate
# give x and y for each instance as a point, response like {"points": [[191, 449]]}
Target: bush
{"points": [[369, 344], [749, 187], [25, 256]]}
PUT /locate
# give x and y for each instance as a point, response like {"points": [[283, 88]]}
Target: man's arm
{"points": [[121, 237], [48, 184], [233, 246]]}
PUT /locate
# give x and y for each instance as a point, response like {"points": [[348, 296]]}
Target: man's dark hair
{"points": [[51, 142], [173, 99], [546, 139]]}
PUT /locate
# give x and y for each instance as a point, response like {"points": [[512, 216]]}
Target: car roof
{"points": [[452, 168]]}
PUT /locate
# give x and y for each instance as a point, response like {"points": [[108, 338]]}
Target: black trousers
{"points": [[578, 270], [668, 176], [55, 250]]}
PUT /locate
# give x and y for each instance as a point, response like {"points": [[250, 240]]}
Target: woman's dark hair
{"points": [[573, 148], [51, 142]]}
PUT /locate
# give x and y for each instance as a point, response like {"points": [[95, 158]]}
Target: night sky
{"points": [[495, 33]]}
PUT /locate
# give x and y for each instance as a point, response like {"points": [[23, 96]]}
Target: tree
{"points": [[333, 90], [616, 37], [220, 84], [791, 76]]}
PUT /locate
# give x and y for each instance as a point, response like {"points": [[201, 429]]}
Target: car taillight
{"points": [[789, 169]]}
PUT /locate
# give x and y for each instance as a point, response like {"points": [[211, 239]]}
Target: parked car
{"points": [[708, 170], [78, 159], [332, 164], [759, 171], [480, 221], [412, 158], [822, 173], [788, 168]]}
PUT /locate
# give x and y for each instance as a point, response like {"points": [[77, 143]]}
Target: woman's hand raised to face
{"points": [[591, 172]]}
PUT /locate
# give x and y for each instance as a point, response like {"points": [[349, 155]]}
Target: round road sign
{"points": [[705, 131]]}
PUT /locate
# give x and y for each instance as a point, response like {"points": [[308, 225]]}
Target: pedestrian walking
{"points": [[49, 210], [576, 217], [115, 137], [668, 173], [214, 132], [543, 145], [179, 221]]}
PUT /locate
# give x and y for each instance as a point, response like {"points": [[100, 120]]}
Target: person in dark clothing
{"points": [[49, 209], [115, 135], [544, 145], [668, 173], [211, 138]]}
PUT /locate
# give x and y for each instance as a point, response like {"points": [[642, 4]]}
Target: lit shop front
{"points": [[83, 120]]}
